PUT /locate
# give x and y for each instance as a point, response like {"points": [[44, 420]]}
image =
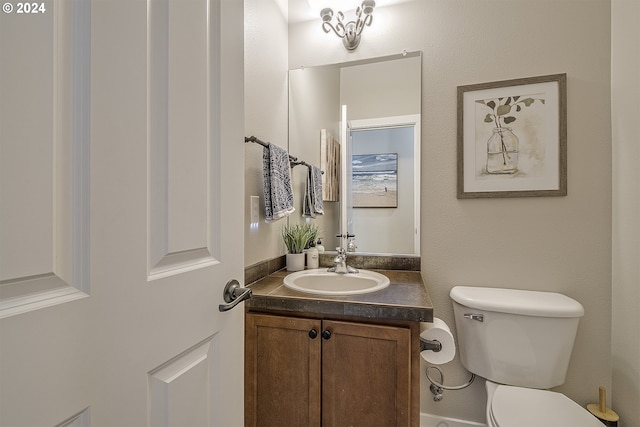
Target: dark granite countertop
{"points": [[406, 299]]}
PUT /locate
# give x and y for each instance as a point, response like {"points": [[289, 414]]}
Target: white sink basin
{"points": [[321, 282]]}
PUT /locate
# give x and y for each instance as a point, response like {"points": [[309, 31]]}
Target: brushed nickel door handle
{"points": [[233, 295]]}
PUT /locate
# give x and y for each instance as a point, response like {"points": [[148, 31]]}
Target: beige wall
{"points": [[553, 244], [381, 90], [625, 111], [559, 244], [266, 106], [314, 97]]}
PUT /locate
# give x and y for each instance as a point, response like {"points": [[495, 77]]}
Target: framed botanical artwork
{"points": [[512, 138], [374, 180]]}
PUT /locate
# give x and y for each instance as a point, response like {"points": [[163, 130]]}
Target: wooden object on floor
{"points": [[607, 415]]}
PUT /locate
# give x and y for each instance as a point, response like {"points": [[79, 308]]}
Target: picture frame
{"points": [[330, 165], [512, 138], [374, 180]]}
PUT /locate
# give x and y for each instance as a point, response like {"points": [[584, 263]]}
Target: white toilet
{"points": [[521, 343]]}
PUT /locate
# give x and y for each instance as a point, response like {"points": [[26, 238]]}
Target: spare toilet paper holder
{"points": [[433, 345]]}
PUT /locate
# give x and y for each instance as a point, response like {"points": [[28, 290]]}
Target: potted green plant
{"points": [[296, 237], [312, 237]]}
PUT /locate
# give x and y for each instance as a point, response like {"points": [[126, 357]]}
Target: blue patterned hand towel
{"points": [[312, 205], [278, 193]]}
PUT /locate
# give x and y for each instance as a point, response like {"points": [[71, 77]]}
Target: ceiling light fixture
{"points": [[349, 32]]}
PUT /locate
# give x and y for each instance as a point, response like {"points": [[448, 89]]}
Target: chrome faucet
{"points": [[340, 263]]}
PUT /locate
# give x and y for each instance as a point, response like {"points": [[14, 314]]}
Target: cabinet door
{"points": [[282, 371], [366, 373]]}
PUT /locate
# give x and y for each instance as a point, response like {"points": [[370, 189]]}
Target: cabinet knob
{"points": [[313, 334], [326, 334]]}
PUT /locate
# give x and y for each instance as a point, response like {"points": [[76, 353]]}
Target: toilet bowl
{"points": [[510, 406]]}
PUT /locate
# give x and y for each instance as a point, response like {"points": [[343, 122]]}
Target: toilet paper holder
{"points": [[433, 345]]}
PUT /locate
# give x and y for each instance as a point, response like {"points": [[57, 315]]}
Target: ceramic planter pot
{"points": [[295, 262]]}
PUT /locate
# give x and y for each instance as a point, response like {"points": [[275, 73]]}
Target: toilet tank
{"points": [[515, 337]]}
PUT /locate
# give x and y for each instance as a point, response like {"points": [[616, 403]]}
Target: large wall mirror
{"points": [[372, 108]]}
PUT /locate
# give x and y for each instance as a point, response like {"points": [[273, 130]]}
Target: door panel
{"points": [[44, 196], [123, 202], [183, 61], [179, 390]]}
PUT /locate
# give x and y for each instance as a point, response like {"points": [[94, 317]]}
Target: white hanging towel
{"points": [[278, 192], [312, 204]]}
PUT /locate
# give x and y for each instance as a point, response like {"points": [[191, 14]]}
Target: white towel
{"points": [[312, 204], [278, 192]]}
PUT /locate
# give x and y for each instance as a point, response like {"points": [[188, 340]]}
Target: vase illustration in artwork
{"points": [[502, 152]]}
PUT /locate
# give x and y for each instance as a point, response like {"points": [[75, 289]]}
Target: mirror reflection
{"points": [[379, 151]]}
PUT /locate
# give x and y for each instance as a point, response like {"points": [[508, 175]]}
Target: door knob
{"points": [[233, 295], [326, 334], [313, 334]]}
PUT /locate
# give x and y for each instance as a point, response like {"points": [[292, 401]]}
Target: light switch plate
{"points": [[254, 203]]}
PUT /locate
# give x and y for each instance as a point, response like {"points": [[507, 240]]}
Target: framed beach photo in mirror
{"points": [[374, 180], [512, 138]]}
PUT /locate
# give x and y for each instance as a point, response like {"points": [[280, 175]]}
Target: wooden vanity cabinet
{"points": [[312, 372], [282, 371]]}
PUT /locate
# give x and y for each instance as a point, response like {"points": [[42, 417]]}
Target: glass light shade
{"points": [[326, 14], [367, 6]]}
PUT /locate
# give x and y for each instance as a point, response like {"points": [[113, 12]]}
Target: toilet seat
{"points": [[524, 407]]}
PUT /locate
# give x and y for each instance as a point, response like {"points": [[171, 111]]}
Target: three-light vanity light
{"points": [[351, 31]]}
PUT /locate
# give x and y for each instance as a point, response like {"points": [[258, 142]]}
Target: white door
{"points": [[120, 221]]}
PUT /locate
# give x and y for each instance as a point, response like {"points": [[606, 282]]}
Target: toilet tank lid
{"points": [[514, 301]]}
